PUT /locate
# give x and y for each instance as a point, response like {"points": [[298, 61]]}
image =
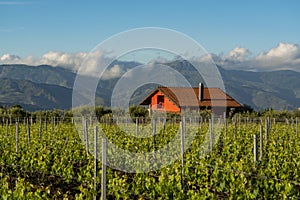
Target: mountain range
{"points": [[47, 87]]}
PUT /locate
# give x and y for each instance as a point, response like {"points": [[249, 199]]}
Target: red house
{"points": [[174, 99]]}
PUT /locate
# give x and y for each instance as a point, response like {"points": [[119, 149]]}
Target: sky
{"points": [[229, 30]]}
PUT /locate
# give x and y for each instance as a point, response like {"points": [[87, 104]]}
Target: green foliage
{"points": [[14, 112], [138, 111], [57, 166], [282, 114], [101, 111]]}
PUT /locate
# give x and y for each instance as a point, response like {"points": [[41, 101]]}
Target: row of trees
{"points": [[247, 111], [17, 112]]}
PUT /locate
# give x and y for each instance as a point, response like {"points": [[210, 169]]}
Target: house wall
{"points": [[168, 105]]}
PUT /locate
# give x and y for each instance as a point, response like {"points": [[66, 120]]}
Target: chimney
{"points": [[201, 92]]}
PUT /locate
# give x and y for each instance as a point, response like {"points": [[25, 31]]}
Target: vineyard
{"points": [[251, 159]]}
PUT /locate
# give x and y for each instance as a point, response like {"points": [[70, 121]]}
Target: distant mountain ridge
{"points": [[34, 96], [39, 74], [277, 89], [47, 87]]}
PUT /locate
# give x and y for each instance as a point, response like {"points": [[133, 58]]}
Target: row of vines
{"points": [[56, 165]]}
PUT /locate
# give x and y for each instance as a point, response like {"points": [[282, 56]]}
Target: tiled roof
{"points": [[188, 97]]}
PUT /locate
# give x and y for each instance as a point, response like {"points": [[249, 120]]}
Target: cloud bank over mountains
{"points": [[67, 60], [283, 56]]}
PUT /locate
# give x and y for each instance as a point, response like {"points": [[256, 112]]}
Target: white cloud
{"points": [[71, 61], [113, 72], [238, 54], [9, 58], [284, 50], [211, 57], [84, 63], [67, 60], [51, 58], [283, 56]]}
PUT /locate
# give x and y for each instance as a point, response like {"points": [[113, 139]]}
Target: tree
{"points": [[17, 112], [100, 112], [138, 111]]}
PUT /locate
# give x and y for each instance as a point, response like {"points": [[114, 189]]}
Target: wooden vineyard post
{"points": [[225, 124], [260, 143], [117, 121], [28, 131], [46, 124], [53, 122], [269, 123], [255, 148], [297, 126], [154, 138], [239, 121], [267, 129], [141, 122], [126, 124], [201, 120], [41, 127], [17, 148], [234, 132], [104, 160], [182, 133], [17, 138], [6, 128], [137, 126], [95, 160], [164, 123], [86, 135], [211, 134], [91, 121]]}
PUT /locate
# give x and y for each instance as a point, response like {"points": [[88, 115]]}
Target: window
{"points": [[160, 100]]}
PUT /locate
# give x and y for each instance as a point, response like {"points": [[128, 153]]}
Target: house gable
{"points": [[159, 101], [176, 98]]}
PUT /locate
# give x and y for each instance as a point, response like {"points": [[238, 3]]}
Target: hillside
{"points": [[34, 96], [39, 74], [46, 87], [277, 89]]}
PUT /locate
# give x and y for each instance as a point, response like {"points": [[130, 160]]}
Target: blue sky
{"points": [[37, 27]]}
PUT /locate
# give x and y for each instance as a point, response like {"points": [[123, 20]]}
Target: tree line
{"points": [[17, 112]]}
